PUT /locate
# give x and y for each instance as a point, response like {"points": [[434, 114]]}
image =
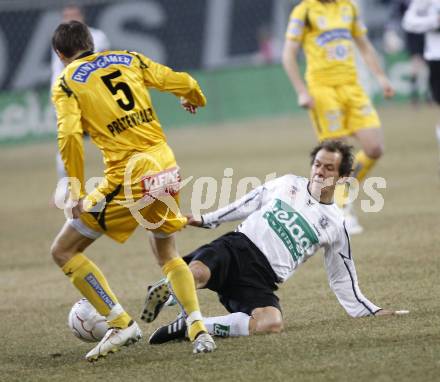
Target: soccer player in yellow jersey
{"points": [[106, 95], [338, 106]]}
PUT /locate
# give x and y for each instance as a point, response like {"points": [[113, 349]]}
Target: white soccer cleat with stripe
{"points": [[113, 340]]}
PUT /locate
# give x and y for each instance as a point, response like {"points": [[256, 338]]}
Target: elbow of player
{"points": [[289, 56], [195, 89], [286, 60], [203, 100], [69, 136], [64, 133]]}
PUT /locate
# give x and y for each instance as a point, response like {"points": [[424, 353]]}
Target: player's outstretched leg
{"points": [[263, 320]]}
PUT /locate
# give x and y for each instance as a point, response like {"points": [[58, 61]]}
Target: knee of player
{"points": [[201, 273], [60, 255], [276, 326], [266, 326], [375, 151], [56, 252], [267, 320]]}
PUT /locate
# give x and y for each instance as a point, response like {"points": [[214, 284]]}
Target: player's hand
{"points": [[305, 100], [387, 87], [78, 209], [74, 208], [386, 312], [189, 107], [193, 221]]}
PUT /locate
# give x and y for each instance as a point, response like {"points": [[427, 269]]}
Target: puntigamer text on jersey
{"points": [[83, 72]]}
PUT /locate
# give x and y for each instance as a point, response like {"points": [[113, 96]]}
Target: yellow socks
{"points": [[183, 286], [362, 165], [341, 194], [90, 281]]}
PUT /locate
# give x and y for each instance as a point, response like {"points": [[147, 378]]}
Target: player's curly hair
{"points": [[72, 37], [333, 146]]}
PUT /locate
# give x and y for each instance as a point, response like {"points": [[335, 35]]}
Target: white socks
{"points": [[231, 325], [437, 133]]}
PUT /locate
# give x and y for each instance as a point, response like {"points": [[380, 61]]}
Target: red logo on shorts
{"points": [[166, 182]]}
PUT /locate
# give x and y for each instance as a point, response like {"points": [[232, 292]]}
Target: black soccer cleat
{"points": [[175, 330]]}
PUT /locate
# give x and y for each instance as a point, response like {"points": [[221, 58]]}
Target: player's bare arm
{"points": [[370, 57], [290, 64], [192, 221]]}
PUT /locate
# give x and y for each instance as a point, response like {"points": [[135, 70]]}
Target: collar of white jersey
{"points": [[326, 204]]}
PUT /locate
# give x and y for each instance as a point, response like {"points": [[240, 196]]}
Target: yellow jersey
{"points": [[105, 94], [326, 31]]}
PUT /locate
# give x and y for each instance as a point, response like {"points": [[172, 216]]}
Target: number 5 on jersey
{"points": [[126, 104]]}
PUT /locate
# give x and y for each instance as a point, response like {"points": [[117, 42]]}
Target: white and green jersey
{"points": [[423, 17], [289, 226]]}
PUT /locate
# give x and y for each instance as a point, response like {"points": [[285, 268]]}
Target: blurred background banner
{"points": [[232, 47]]}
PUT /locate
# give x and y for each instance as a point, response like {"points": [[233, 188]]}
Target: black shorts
{"points": [[415, 43], [240, 273], [434, 80]]}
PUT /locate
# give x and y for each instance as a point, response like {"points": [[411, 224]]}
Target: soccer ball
{"points": [[86, 323], [392, 42]]}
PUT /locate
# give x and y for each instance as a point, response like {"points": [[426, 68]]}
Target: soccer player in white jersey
{"points": [[71, 12], [423, 16], [287, 220]]}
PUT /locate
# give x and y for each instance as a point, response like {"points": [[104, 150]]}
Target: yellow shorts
{"points": [[146, 194], [341, 111]]}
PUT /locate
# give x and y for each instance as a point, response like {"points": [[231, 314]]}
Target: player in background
{"points": [[337, 104], [286, 221], [71, 12], [414, 44], [424, 17], [106, 95]]}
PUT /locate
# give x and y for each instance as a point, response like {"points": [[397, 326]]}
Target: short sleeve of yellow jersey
{"points": [[297, 22], [358, 27], [163, 78], [70, 133]]}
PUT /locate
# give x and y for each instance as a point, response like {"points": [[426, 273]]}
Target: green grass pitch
{"points": [[397, 260]]}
